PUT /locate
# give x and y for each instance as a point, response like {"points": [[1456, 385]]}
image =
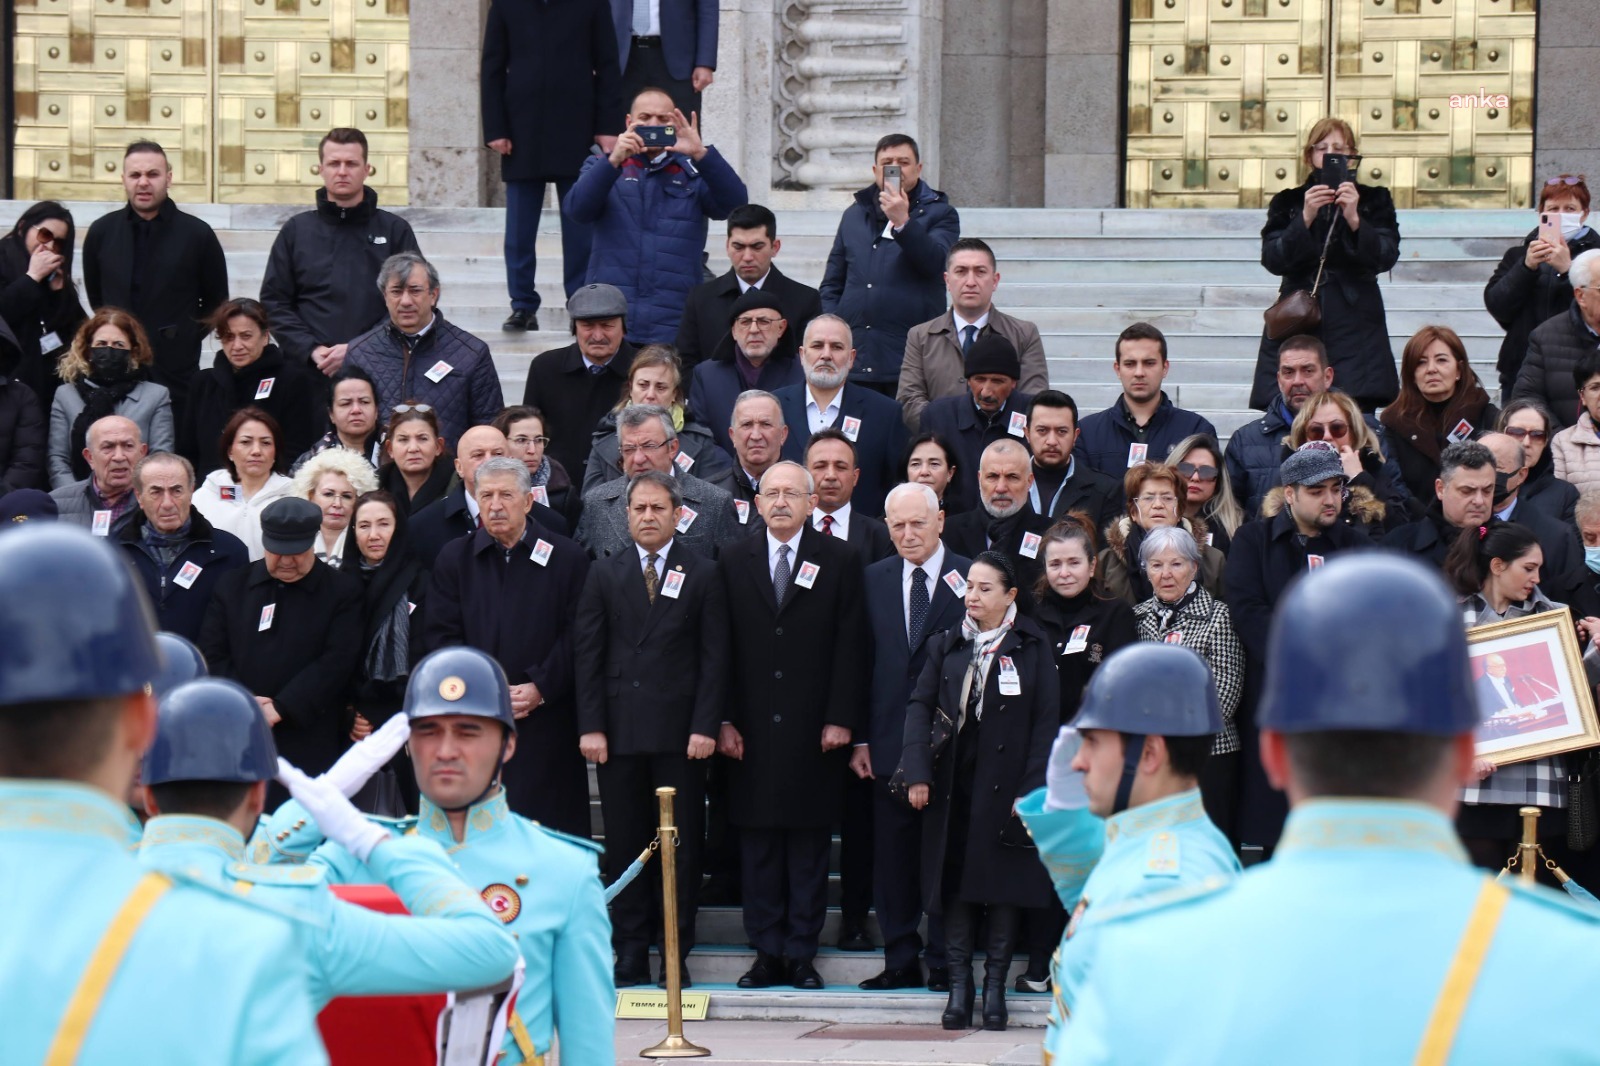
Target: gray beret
{"points": [[1312, 464]]}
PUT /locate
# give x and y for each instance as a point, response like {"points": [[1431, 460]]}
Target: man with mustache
{"points": [[1003, 522], [990, 409]]}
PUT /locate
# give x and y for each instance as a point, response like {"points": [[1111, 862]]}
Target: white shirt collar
{"points": [[661, 553], [981, 321], [793, 542], [812, 404], [472, 507], [841, 521], [745, 286], [423, 332], [932, 567]]}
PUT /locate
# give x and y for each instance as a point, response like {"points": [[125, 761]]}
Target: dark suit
{"points": [[868, 536], [688, 39], [1489, 699], [795, 669], [710, 305], [959, 422], [447, 519], [897, 661], [716, 386], [676, 650], [880, 441], [522, 613], [573, 401], [968, 534]]}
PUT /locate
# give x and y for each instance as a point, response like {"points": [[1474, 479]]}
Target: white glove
{"points": [[338, 819], [1064, 789], [363, 760]]}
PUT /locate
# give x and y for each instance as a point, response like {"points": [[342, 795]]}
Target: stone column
{"points": [[1566, 122], [739, 105], [1084, 72], [449, 167]]}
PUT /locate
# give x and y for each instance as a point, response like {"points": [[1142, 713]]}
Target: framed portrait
{"points": [[1535, 699]]}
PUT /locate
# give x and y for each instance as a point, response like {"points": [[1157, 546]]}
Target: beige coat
{"points": [[1576, 452], [933, 366]]}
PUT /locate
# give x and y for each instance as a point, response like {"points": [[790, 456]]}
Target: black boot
{"points": [[997, 961], [958, 956]]}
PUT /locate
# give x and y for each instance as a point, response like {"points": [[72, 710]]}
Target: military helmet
{"points": [[210, 729], [1152, 690], [459, 680]]}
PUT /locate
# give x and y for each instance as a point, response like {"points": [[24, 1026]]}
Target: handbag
{"points": [[1298, 311], [1583, 803]]}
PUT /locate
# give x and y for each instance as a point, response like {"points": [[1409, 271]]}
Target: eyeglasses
{"points": [[749, 322], [1566, 179], [1204, 473], [783, 494], [1333, 430], [408, 408], [1537, 436], [1165, 497], [529, 442], [648, 448]]}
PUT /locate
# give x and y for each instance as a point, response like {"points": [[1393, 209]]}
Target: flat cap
{"points": [[1311, 464], [597, 301], [289, 526]]}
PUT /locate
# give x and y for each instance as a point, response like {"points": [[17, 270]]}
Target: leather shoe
{"points": [[905, 977], [767, 971], [629, 972], [520, 321], [855, 938], [938, 978], [804, 975], [683, 975]]}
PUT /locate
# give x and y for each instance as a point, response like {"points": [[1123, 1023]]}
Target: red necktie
{"points": [[827, 525]]}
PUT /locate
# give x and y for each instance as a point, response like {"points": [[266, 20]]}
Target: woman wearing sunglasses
{"points": [[1208, 492], [1534, 427], [37, 297], [1440, 403], [1377, 498], [1530, 286]]}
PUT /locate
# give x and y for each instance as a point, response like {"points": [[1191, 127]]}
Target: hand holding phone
{"points": [[657, 136], [1550, 227], [891, 176], [1335, 170]]}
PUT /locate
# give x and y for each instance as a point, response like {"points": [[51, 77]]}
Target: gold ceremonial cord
{"points": [[85, 1002], [1463, 975]]}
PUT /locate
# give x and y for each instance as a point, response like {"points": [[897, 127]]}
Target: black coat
{"points": [[869, 537], [550, 84], [179, 609], [705, 322], [321, 282], [23, 434], [1111, 626], [522, 614], [1353, 328], [399, 576], [717, 385], [1548, 494], [1015, 735], [880, 442], [181, 280], [650, 674], [1521, 300], [1554, 348], [303, 661], [1088, 490], [1416, 444], [968, 535], [957, 421], [219, 390], [793, 671], [447, 519], [33, 309], [572, 400], [392, 481]]}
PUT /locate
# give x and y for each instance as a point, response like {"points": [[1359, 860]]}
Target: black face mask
{"points": [[109, 366], [1503, 489]]}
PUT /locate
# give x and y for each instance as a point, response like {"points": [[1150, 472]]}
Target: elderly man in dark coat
{"points": [[550, 89], [511, 589], [288, 628], [799, 626]]}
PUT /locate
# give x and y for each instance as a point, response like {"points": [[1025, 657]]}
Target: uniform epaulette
{"points": [[568, 838], [1179, 896], [277, 876], [1162, 858]]}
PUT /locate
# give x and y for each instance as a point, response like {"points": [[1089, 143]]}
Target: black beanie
{"points": [[754, 300], [993, 354]]}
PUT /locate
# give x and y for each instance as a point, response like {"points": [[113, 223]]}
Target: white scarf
{"points": [[984, 644]]}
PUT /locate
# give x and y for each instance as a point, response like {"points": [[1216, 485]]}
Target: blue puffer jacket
{"points": [[1257, 450], [1104, 437], [649, 222], [884, 286]]}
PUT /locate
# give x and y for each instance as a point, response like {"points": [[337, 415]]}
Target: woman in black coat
{"points": [[417, 467], [1365, 242], [1440, 401], [1530, 286], [37, 297], [1534, 426], [249, 371], [978, 733]]}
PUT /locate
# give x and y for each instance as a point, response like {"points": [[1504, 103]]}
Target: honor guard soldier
{"points": [[206, 776], [545, 886], [1369, 938], [100, 960], [1124, 807], [180, 661]]}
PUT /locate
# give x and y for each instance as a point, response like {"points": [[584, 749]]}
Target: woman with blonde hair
{"points": [[1331, 213], [1208, 491], [333, 480], [656, 377], [107, 372], [1375, 497], [1440, 402]]}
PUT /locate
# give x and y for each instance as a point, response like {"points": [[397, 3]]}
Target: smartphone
{"points": [[1550, 227], [891, 176], [1335, 170], [657, 136]]}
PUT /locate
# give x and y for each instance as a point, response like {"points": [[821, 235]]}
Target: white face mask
{"points": [[1571, 226]]}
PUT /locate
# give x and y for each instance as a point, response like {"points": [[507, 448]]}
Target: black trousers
{"points": [[1219, 791], [647, 66], [631, 811], [897, 881], [785, 889], [722, 865], [855, 851]]}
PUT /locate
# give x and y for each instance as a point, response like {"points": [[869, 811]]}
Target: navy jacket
{"points": [[1105, 435], [447, 519], [880, 440], [883, 286], [896, 665], [688, 35], [717, 385], [649, 222], [958, 420], [181, 610]]}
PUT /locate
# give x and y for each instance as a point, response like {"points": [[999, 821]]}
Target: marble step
{"points": [[841, 970], [845, 1004]]}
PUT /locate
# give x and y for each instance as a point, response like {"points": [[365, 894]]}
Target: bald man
{"points": [[104, 502], [455, 514], [1003, 521], [1563, 578]]}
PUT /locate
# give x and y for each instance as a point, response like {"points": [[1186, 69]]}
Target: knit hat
{"points": [[1313, 463], [755, 300], [993, 354]]}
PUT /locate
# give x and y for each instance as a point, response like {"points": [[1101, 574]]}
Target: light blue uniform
{"points": [[1100, 866], [1335, 952], [205, 979], [451, 941], [544, 885]]}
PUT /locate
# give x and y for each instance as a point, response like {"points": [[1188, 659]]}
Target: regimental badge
{"points": [[504, 901], [452, 689]]}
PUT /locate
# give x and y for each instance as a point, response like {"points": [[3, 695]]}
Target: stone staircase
{"points": [[1081, 275]]}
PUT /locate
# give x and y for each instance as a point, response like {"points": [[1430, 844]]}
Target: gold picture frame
{"points": [[1529, 680]]}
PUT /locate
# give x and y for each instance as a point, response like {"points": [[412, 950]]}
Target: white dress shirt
{"points": [[961, 323], [661, 560], [745, 286], [472, 508], [818, 417], [794, 551], [932, 567], [653, 27], [841, 522]]}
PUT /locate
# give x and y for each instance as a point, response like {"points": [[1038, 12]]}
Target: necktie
{"points": [[827, 525], [651, 578], [919, 605], [597, 370], [641, 17], [968, 335], [780, 575]]}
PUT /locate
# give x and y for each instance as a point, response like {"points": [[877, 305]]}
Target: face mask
{"points": [[1503, 489], [108, 365], [1591, 559], [1571, 226]]}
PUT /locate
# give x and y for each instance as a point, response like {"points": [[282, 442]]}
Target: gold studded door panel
{"points": [[290, 70], [92, 75]]}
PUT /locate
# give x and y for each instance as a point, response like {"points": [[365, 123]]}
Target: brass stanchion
{"points": [[675, 1046], [1528, 850]]}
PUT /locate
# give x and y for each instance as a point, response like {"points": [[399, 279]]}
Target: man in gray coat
{"points": [[648, 442], [104, 502]]}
